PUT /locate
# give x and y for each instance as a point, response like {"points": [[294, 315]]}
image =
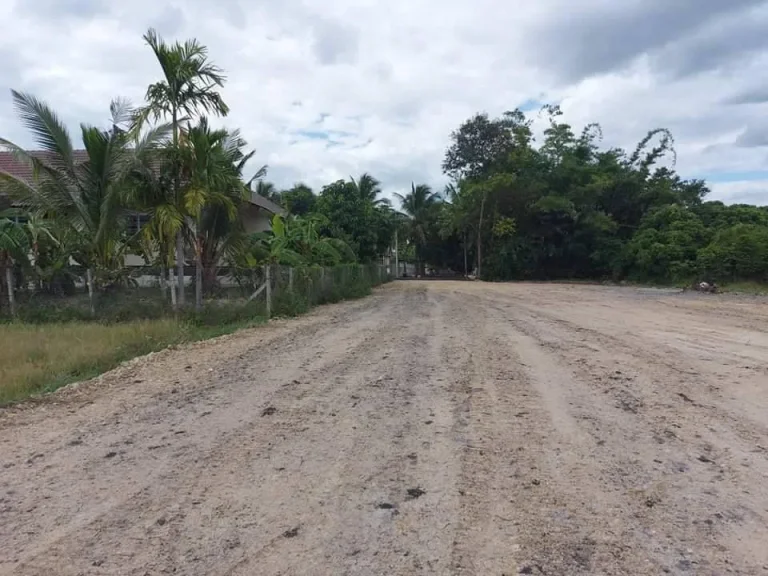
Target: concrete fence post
{"points": [[268, 284]]}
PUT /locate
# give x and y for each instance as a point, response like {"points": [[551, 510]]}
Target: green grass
{"points": [[39, 358], [54, 343], [745, 288]]}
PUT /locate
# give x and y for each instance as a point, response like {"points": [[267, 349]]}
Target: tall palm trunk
{"points": [[179, 234], [9, 284], [198, 273], [172, 283], [180, 267], [163, 283], [89, 281]]}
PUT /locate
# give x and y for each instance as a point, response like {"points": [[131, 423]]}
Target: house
{"points": [[256, 215]]}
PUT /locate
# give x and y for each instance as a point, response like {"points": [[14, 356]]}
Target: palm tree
{"points": [[212, 161], [454, 217], [419, 206], [188, 87], [83, 195], [37, 228], [13, 248], [150, 192], [368, 188]]}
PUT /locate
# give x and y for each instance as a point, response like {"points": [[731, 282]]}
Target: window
{"points": [[136, 222]]}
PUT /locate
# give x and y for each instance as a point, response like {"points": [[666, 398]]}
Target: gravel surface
{"points": [[432, 428]]}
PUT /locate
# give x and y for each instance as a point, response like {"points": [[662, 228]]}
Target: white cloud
{"points": [[389, 81], [743, 192]]}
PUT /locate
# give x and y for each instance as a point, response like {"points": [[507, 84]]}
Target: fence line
{"points": [[146, 292]]}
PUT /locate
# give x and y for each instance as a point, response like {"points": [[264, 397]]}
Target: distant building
{"points": [[256, 215]]}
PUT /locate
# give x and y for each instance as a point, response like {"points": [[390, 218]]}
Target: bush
{"points": [[736, 253], [311, 286]]}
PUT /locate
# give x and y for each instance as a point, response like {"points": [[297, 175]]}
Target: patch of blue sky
{"points": [[746, 176]]}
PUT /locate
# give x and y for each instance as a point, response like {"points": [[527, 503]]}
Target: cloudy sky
{"points": [[325, 89]]}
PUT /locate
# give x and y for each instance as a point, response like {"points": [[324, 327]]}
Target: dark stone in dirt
{"points": [[138, 381], [269, 410], [685, 398], [161, 521], [292, 533], [428, 422], [206, 413], [97, 563], [34, 457], [110, 455], [385, 506], [412, 456], [525, 570], [76, 442], [704, 459], [535, 481], [414, 493]]}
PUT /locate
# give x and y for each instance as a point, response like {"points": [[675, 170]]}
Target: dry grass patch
{"points": [[41, 358]]}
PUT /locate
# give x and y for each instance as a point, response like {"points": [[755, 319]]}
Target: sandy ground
{"points": [[433, 428]]}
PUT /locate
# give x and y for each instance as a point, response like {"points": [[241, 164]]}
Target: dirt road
{"points": [[433, 428]]}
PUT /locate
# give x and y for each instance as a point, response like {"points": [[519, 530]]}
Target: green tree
{"points": [[350, 217], [739, 252], [299, 200], [421, 207], [369, 189], [189, 86], [84, 197], [212, 161], [481, 144]]}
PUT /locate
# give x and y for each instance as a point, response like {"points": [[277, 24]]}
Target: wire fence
{"points": [[229, 294]]}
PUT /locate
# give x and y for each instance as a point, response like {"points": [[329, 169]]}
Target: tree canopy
{"points": [[522, 203]]}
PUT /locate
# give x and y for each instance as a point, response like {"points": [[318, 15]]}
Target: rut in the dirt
{"points": [[433, 428]]}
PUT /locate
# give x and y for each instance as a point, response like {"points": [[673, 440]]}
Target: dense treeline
{"points": [[555, 209], [519, 207], [565, 208]]}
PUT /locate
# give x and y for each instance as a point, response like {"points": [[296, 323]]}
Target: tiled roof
{"points": [[265, 203], [21, 170]]}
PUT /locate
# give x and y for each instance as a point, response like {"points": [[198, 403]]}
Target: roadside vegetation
{"points": [[565, 208], [62, 345], [161, 182]]}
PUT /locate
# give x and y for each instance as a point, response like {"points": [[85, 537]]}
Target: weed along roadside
{"points": [[55, 346]]}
